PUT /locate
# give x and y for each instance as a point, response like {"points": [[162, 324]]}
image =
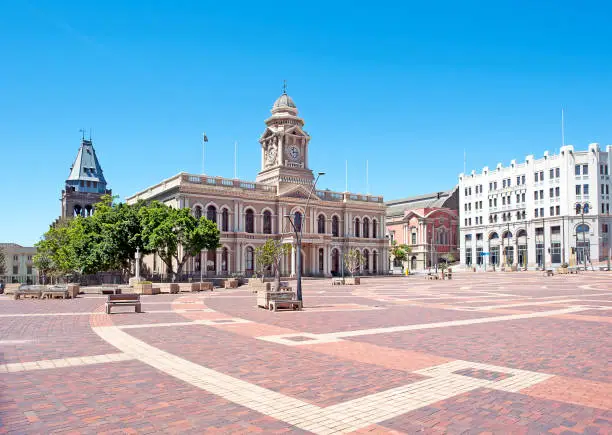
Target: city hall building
{"points": [[539, 213], [248, 213]]}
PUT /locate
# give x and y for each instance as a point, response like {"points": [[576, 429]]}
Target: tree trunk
{"points": [[277, 278]]}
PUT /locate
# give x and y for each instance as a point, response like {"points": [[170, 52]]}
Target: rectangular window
{"points": [[601, 171], [29, 270], [578, 189], [518, 180], [537, 177], [509, 181], [558, 210], [535, 195], [552, 210], [523, 197], [480, 206], [557, 172], [577, 169], [466, 222], [602, 189], [551, 192], [504, 183], [557, 191], [494, 202], [15, 258], [535, 212], [503, 200], [555, 252], [490, 186], [490, 202], [541, 175], [522, 179], [470, 221], [542, 212], [518, 198], [468, 256], [585, 169], [585, 189], [478, 236], [470, 190], [495, 185], [551, 173], [15, 270]]}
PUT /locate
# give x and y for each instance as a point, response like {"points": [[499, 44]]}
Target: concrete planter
{"points": [[173, 287], [562, 270], [355, 280], [230, 283], [73, 290], [143, 288], [206, 286]]}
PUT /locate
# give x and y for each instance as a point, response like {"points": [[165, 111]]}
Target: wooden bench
{"points": [[123, 300], [111, 291], [549, 272], [292, 304], [431, 276], [337, 281], [572, 270]]}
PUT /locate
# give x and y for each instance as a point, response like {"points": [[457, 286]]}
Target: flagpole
{"points": [[203, 152], [235, 158], [367, 177], [562, 128], [346, 175]]}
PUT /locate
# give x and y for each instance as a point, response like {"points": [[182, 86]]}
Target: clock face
{"points": [[294, 152]]}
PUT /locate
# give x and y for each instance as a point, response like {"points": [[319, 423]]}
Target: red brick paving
{"points": [[490, 411], [132, 397]]}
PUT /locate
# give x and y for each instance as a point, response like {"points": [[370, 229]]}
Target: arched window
{"points": [[249, 221], [366, 258], [211, 213], [249, 259], [224, 220], [197, 212], [335, 266], [321, 261], [321, 224], [335, 226], [366, 228], [224, 260], [374, 228], [375, 262], [267, 222], [582, 228], [357, 227], [297, 220]]}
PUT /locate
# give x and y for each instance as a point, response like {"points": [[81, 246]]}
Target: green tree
{"points": [[353, 259], [2, 264], [54, 252], [271, 254], [165, 229], [400, 253]]}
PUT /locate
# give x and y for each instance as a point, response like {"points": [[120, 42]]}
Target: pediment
{"points": [[298, 191], [297, 131], [266, 134]]}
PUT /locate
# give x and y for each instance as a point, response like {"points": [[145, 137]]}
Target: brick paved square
{"points": [[393, 355]]}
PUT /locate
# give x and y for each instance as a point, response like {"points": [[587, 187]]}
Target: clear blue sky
{"points": [[406, 86]]}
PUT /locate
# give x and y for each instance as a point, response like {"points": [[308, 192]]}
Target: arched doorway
{"points": [[582, 244], [366, 259], [335, 269], [413, 263], [224, 260], [494, 248], [521, 236], [249, 261], [211, 261]]}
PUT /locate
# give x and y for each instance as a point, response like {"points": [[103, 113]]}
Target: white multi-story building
{"points": [[539, 213]]}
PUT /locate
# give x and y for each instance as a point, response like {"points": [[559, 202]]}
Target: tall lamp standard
{"points": [[582, 209], [298, 228]]}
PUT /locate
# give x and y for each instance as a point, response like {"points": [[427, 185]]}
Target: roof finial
{"points": [[82, 131], [285, 87]]}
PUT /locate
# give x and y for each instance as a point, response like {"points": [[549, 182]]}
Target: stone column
{"points": [[326, 260], [218, 271]]}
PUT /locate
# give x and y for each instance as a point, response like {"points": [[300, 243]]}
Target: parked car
{"points": [[1, 288]]}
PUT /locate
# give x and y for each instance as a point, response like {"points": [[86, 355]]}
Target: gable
{"points": [[299, 191]]}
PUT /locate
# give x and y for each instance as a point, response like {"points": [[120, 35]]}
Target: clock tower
{"points": [[284, 146]]}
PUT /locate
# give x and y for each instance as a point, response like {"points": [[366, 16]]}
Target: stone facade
{"points": [[249, 213], [18, 265], [428, 224], [530, 214]]}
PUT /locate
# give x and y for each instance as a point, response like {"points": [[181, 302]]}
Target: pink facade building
{"points": [[429, 224]]}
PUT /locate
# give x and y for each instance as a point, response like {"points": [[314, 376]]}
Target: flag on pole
{"points": [[205, 138]]}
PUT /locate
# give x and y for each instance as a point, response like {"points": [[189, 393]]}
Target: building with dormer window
{"points": [[248, 213]]}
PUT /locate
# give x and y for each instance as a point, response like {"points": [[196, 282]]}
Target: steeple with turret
{"points": [[85, 184], [284, 146]]}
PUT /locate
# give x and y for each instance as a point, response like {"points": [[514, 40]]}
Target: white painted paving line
{"points": [[340, 418], [522, 304], [209, 322], [391, 329], [63, 362], [14, 342]]}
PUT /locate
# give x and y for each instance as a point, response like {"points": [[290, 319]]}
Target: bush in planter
{"points": [[564, 265]]}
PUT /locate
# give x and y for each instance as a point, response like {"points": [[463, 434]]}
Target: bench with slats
{"points": [[123, 300]]}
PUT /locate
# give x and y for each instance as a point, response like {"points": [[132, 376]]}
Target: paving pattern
{"points": [[482, 353]]}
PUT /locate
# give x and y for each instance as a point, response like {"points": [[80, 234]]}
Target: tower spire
{"points": [[285, 87]]}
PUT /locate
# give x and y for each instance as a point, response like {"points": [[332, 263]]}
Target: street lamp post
{"points": [[298, 228]]}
